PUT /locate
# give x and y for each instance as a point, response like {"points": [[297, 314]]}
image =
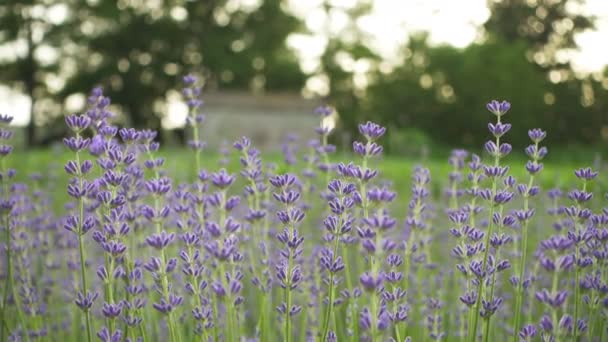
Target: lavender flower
{"points": [[288, 271], [192, 94], [338, 225], [324, 148], [534, 166], [223, 247], [457, 161], [371, 227], [289, 148], [79, 224], [161, 267], [497, 198], [555, 258], [7, 205], [579, 215], [256, 217], [231, 255]]}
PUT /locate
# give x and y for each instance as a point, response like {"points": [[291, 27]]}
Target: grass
{"points": [[558, 172]]}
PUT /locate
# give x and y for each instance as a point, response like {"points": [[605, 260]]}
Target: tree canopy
{"points": [[138, 51]]}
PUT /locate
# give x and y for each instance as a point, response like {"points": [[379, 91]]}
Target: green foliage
{"points": [[139, 51], [144, 51], [545, 25], [27, 31], [408, 142], [443, 91]]}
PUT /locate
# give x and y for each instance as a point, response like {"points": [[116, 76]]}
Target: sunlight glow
{"points": [[16, 105], [385, 29], [176, 111], [448, 22]]}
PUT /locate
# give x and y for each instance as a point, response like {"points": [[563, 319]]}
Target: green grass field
{"points": [[558, 171]]}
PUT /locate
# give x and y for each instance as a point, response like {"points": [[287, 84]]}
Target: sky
{"points": [[453, 22]]}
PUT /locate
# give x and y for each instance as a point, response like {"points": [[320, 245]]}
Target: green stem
{"points": [[532, 290], [197, 152], [288, 301], [349, 285], [17, 300], [326, 159], [471, 221], [602, 330], [554, 283], [288, 297], [522, 262], [397, 332], [330, 304], [374, 296], [468, 286], [4, 325], [409, 253], [520, 289], [493, 284], [111, 292], [373, 261], [577, 291], [10, 267], [487, 246], [195, 284], [261, 321], [9, 275], [81, 249], [84, 284], [216, 307], [303, 319], [592, 320], [8, 255], [229, 327], [109, 288], [577, 287], [163, 275]]}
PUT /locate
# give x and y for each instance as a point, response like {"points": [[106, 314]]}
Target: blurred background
{"points": [[424, 68]]}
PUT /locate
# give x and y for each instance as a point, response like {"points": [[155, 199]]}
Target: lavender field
{"points": [[125, 241]]}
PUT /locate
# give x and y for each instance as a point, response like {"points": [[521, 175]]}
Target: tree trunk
{"points": [[29, 78]]}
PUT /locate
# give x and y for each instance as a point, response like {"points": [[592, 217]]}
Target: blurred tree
{"points": [[346, 48], [442, 90], [547, 26], [32, 35], [139, 50]]}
